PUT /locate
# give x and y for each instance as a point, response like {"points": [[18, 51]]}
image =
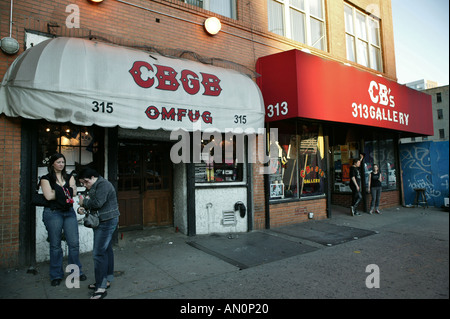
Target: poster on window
{"points": [[309, 146], [277, 190], [346, 172]]}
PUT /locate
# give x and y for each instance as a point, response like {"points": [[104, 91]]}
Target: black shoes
{"points": [[57, 282], [354, 212]]}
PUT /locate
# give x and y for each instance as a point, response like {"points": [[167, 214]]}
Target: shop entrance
{"points": [[145, 187]]}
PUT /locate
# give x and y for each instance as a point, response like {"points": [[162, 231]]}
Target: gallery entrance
{"points": [[145, 186]]}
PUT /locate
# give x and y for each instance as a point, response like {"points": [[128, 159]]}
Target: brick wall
{"points": [[173, 24], [259, 220], [9, 190], [388, 199], [283, 214]]}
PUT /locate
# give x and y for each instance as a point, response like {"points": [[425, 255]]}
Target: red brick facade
{"points": [[171, 25], [9, 190], [388, 199]]}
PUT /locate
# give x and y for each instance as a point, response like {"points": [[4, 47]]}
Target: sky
{"points": [[421, 39]]}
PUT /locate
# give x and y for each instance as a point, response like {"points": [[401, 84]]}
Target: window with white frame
{"points": [[299, 20], [362, 35], [226, 8]]}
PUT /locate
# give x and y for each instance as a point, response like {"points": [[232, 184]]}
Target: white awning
{"points": [[87, 82]]}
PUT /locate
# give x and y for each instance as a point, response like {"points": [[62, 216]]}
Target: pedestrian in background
{"points": [[100, 197], [355, 184], [375, 189], [58, 188]]}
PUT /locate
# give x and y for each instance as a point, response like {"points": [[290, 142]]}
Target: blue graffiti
{"points": [[425, 165]]}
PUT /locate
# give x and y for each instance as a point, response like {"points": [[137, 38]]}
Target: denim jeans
{"points": [[55, 221], [103, 252], [376, 194], [356, 197]]}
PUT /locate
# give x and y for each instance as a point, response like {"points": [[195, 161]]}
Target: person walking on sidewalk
{"points": [[375, 189], [355, 185], [101, 197], [58, 188]]}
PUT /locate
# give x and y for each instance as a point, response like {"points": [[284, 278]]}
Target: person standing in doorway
{"points": [[58, 188], [101, 197], [355, 185], [375, 189]]}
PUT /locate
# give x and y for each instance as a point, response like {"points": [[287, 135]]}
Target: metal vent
{"points": [[228, 218]]}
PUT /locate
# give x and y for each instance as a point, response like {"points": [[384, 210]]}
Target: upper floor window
{"points": [[439, 97], [362, 33], [226, 8], [299, 20]]}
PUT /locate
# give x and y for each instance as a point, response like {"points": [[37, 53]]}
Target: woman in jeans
{"points": [[101, 197], [375, 189], [58, 188]]}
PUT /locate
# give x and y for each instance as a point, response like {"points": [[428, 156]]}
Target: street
{"points": [[404, 256]]}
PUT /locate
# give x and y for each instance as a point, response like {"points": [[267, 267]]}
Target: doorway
{"points": [[145, 185]]}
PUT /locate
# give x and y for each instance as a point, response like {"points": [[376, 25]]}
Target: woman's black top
{"points": [[375, 179], [61, 193]]}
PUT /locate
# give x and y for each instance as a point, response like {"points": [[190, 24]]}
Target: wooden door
{"points": [[129, 186], [145, 184], [157, 193]]}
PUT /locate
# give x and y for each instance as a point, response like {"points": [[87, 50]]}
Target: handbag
{"points": [[39, 199], [91, 220]]}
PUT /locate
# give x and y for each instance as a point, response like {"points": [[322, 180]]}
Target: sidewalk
{"points": [[160, 263]]}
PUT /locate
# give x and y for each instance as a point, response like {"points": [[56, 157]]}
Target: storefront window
{"points": [[378, 150], [343, 156], [311, 154], [283, 166], [78, 145], [381, 152], [296, 162], [219, 161]]}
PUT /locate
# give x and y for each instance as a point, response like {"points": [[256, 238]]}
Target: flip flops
{"points": [[102, 295]]}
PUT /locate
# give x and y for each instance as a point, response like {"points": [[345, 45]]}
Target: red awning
{"points": [[296, 84]]}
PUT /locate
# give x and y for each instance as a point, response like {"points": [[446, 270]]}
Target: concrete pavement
{"points": [[332, 258]]}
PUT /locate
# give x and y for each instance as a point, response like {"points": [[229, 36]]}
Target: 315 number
{"points": [[103, 107], [241, 119]]}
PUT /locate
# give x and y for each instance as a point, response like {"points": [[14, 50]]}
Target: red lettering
{"points": [[136, 73], [192, 117], [181, 114], [152, 112], [168, 115], [206, 116], [211, 84], [190, 82], [166, 78]]}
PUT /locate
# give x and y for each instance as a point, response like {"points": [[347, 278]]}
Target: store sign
{"points": [[167, 79], [297, 84], [87, 82]]}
